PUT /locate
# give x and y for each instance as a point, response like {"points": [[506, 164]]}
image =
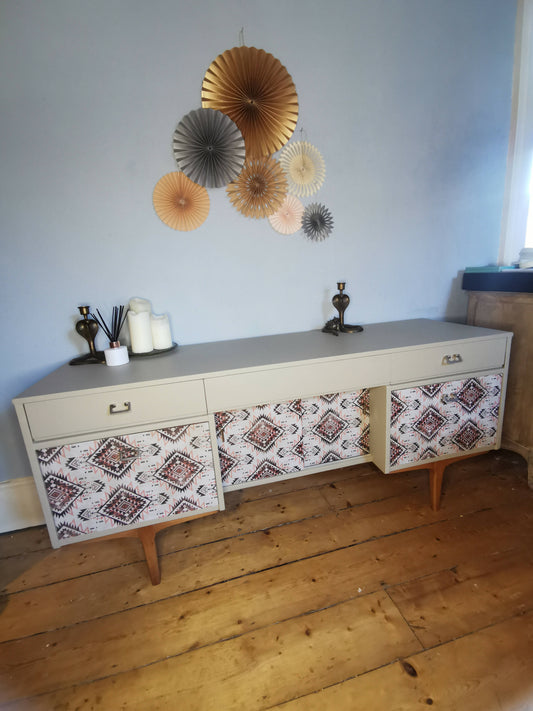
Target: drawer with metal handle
{"points": [[66, 415], [448, 358]]}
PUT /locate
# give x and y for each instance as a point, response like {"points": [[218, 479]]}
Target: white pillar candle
{"points": [[140, 331], [161, 336], [138, 305]]}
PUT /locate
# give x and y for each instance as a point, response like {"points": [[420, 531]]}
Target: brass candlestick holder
{"points": [[341, 302], [88, 328]]}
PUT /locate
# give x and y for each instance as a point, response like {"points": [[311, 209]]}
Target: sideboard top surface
{"points": [[222, 357]]}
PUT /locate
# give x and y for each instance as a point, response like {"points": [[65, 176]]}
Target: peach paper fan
{"points": [[288, 219], [180, 203]]}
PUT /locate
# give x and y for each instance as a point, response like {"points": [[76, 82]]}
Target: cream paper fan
{"points": [[304, 167], [288, 219]]}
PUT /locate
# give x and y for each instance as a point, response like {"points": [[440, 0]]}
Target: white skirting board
{"points": [[19, 505]]}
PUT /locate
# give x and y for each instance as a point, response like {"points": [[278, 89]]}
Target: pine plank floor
{"points": [[339, 590]]}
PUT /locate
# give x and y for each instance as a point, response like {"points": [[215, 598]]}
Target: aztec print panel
{"points": [[444, 418], [104, 484], [259, 443], [335, 427]]}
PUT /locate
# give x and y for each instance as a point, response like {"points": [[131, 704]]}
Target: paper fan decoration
{"points": [[317, 222], [304, 166], [180, 203], [260, 188], [255, 90], [288, 219], [209, 148]]}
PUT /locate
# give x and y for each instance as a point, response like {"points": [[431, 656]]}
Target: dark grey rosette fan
{"points": [[209, 148], [317, 222]]}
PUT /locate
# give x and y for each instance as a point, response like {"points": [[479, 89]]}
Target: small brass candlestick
{"points": [[340, 301], [88, 328]]}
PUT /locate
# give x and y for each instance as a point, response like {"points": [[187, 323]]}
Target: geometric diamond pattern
{"points": [[429, 423], [431, 390], [179, 470], [266, 469], [471, 394], [335, 427], [124, 506], [114, 456], [48, 454], [442, 419], [162, 473], [173, 433], [396, 407], [61, 493], [396, 451], [468, 436], [262, 441], [263, 434], [330, 427]]}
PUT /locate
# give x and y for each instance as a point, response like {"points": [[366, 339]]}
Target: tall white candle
{"points": [[138, 305], [140, 331], [161, 336]]}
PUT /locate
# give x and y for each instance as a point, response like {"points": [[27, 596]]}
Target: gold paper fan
{"points": [[288, 218], [255, 90], [304, 167], [260, 188], [180, 203]]}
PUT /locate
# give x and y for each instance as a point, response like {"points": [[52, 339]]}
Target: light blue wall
{"points": [[407, 100]]}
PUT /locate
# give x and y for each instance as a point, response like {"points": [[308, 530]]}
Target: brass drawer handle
{"points": [[452, 397], [451, 359], [114, 411]]}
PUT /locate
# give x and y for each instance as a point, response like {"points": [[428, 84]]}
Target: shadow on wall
{"points": [[457, 304]]}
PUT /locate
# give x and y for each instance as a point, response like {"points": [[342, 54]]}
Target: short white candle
{"points": [[140, 331], [138, 305], [161, 336]]}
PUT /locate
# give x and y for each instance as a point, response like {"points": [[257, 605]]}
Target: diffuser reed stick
{"points": [[113, 329]]}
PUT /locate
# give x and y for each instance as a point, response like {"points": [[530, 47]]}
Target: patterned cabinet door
{"points": [[444, 419], [99, 486], [260, 442], [335, 427]]}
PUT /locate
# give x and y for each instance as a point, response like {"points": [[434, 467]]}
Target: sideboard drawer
{"points": [[94, 412], [448, 359], [278, 384]]}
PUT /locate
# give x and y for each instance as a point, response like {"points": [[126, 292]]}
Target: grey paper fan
{"points": [[317, 222], [209, 148]]}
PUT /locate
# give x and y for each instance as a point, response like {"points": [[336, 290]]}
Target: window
{"points": [[517, 222]]}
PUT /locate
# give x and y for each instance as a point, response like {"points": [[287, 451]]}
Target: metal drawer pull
{"points": [[450, 359], [113, 408], [452, 397]]}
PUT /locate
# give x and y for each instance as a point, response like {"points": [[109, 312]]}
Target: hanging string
{"points": [[241, 37]]}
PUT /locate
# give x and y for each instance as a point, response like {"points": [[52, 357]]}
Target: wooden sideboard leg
{"points": [[436, 475], [147, 538]]}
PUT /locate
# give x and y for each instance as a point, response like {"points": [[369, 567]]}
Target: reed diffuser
{"points": [[115, 354]]}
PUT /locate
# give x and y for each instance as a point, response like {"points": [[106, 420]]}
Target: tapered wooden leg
{"points": [[436, 475], [147, 538]]}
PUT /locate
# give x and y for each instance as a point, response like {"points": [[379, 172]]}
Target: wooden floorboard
{"points": [[339, 590]]}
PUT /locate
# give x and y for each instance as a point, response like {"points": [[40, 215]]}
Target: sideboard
{"points": [[132, 449]]}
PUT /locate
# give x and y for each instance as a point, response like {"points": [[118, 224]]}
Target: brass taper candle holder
{"points": [[88, 328], [336, 325]]}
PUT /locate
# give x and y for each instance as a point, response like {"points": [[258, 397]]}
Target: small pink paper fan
{"points": [[288, 219]]}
